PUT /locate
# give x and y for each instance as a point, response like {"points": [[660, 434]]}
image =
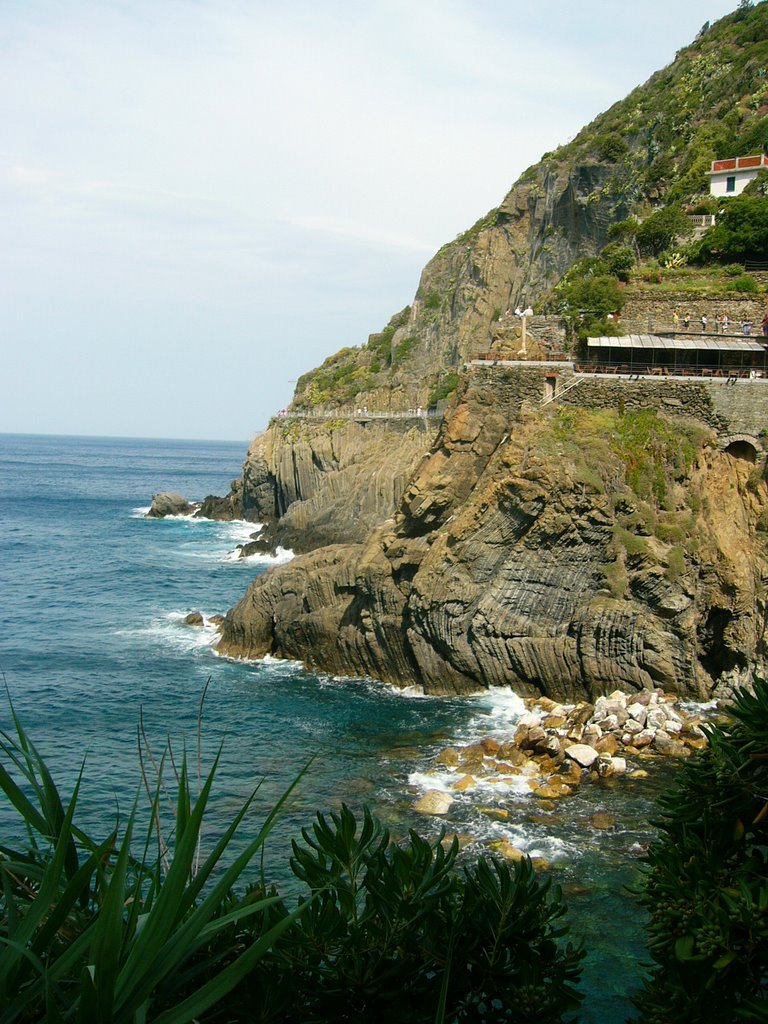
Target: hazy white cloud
{"points": [[200, 199]]}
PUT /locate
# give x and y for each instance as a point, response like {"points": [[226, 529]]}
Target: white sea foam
{"points": [[497, 713], [141, 512], [281, 556], [694, 707], [432, 780], [276, 666], [173, 631]]}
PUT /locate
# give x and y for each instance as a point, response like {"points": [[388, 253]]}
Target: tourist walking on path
{"points": [[764, 323], [686, 320], [726, 323], [704, 322], [675, 319]]}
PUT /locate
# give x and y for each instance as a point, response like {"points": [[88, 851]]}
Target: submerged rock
{"points": [[434, 801]]}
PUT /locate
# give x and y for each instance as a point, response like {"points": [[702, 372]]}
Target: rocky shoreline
{"points": [[557, 748]]}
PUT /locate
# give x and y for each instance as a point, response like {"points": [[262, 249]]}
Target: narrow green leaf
{"points": [[167, 909], [725, 959], [223, 983], [684, 947], [23, 805], [46, 895], [110, 929]]}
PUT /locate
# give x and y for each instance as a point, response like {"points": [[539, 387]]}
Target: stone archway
{"points": [[743, 446]]}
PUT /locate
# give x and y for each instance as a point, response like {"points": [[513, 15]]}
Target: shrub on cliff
{"points": [[658, 232], [707, 884]]}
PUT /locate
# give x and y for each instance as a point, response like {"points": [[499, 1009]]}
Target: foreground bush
{"points": [[92, 932], [707, 884], [395, 933]]}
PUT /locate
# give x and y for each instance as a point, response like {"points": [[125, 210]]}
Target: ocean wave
{"points": [[281, 557], [172, 630], [443, 779]]}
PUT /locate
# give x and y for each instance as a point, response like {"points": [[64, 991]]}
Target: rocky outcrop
{"points": [[167, 503], [315, 481], [571, 551], [564, 551], [225, 509], [556, 747]]}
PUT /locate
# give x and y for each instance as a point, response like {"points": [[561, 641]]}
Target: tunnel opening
{"points": [[742, 450]]}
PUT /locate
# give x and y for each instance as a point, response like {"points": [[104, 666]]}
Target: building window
{"points": [[730, 183]]}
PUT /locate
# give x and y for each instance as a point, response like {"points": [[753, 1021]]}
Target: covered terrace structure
{"points": [[689, 356]]}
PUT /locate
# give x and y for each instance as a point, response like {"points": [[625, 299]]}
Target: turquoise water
{"points": [[92, 600]]}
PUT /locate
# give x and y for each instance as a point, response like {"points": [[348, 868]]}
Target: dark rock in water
{"points": [[258, 546], [193, 619], [224, 509], [166, 503], [216, 620]]}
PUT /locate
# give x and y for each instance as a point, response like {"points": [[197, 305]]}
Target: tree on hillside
{"points": [[741, 232], [657, 233]]}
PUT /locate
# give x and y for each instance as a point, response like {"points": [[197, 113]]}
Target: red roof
{"points": [[739, 163]]}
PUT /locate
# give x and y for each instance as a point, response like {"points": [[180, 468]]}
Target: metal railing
{"points": [[357, 414], [702, 372]]}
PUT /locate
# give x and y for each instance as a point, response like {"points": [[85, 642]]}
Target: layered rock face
{"points": [[568, 552], [314, 482]]}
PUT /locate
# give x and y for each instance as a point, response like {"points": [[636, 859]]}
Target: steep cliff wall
{"points": [[315, 481], [568, 551]]}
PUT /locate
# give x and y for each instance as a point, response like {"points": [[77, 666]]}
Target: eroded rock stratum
{"points": [[570, 550]]}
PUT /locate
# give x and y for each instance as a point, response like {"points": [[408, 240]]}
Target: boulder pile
{"points": [[555, 747]]}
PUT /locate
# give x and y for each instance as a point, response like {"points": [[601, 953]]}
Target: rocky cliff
{"points": [[313, 481], [604, 542], [648, 151], [568, 551]]}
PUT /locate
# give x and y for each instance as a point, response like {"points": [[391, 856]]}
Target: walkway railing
{"points": [[357, 414], [571, 384], [701, 372]]}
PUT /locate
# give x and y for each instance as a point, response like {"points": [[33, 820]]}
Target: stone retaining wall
{"points": [[647, 313], [739, 407]]}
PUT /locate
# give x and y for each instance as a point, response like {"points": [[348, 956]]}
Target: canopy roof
{"points": [[697, 344]]}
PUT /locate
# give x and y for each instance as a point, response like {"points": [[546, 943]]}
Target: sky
{"points": [[202, 199]]}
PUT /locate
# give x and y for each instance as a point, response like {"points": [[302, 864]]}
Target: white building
{"points": [[730, 177]]}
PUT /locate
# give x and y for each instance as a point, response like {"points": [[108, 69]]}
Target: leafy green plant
{"points": [[706, 887], [91, 933], [657, 233], [397, 932], [446, 387], [404, 350], [745, 283], [741, 232]]}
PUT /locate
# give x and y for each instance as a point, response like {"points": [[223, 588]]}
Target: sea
{"points": [[99, 665]]}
